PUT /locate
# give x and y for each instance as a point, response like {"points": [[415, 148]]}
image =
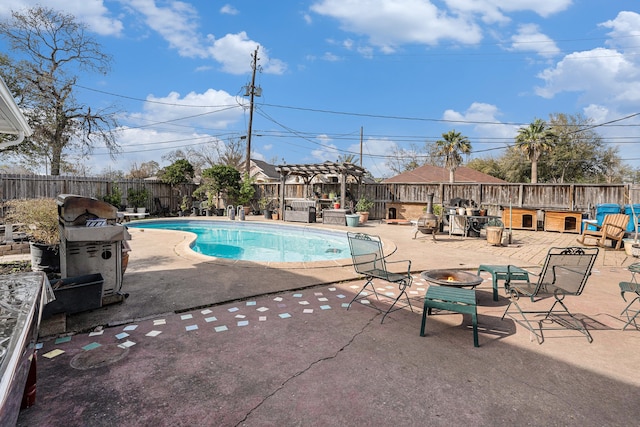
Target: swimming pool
{"points": [[250, 241]]}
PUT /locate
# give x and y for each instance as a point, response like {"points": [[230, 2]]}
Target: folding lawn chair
{"points": [[565, 272], [370, 261]]}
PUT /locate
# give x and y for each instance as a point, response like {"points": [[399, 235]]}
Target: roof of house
{"points": [[11, 119], [430, 173], [267, 169]]}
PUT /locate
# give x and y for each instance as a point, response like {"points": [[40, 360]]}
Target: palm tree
{"points": [[534, 140], [451, 147]]}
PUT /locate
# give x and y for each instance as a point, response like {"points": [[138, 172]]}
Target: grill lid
{"points": [[76, 210]]}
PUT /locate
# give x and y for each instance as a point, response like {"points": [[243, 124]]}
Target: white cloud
{"points": [[91, 12], [228, 9], [599, 74], [375, 152], [388, 24], [223, 110], [530, 39], [485, 120], [178, 24], [625, 30], [493, 11], [234, 52], [602, 76]]}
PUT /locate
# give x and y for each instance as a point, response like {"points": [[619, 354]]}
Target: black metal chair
{"points": [[634, 288], [565, 272], [161, 210], [370, 261]]}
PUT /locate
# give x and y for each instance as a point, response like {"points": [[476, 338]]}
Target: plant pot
{"points": [[494, 235], [482, 212], [353, 220], [631, 247], [336, 206], [267, 214], [45, 257], [130, 210], [364, 217], [141, 210]]}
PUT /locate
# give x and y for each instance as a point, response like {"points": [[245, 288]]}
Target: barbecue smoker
{"points": [[428, 223], [91, 242]]}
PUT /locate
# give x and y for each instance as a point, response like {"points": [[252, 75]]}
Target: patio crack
{"points": [[297, 374]]}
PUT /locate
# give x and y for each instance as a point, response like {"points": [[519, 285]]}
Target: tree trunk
{"points": [[534, 172], [452, 175]]}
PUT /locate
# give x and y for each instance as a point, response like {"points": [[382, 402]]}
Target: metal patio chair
{"points": [[370, 261], [632, 287], [565, 272]]}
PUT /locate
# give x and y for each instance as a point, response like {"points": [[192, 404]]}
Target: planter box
{"points": [[75, 294]]}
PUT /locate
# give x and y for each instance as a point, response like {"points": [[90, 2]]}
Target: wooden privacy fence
{"points": [[495, 197], [35, 186], [575, 197]]}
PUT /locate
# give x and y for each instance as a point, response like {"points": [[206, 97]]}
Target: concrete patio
{"points": [[222, 343]]}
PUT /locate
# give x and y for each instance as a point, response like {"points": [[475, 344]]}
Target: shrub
{"points": [[39, 219]]}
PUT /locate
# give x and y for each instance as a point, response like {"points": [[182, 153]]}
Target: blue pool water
{"points": [[258, 242]]}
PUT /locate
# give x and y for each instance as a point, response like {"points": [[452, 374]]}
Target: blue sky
{"points": [[403, 71]]}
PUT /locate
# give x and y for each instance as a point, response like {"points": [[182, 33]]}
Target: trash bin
{"points": [[629, 211], [605, 209]]}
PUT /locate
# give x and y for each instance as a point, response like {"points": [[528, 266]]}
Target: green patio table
{"points": [[503, 272]]}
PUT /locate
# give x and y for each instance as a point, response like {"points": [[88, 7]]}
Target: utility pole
{"points": [[251, 92], [361, 131]]}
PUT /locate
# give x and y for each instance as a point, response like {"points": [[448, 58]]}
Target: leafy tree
{"points": [[179, 172], [452, 145], [535, 140], [490, 166], [347, 158], [219, 180], [52, 46]]}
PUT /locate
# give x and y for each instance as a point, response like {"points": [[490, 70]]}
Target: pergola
{"points": [[309, 171]]}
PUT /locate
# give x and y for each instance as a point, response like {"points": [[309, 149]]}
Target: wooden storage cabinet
{"points": [[523, 219], [563, 221]]}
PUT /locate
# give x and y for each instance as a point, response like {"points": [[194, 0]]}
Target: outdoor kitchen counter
{"points": [[22, 297]]}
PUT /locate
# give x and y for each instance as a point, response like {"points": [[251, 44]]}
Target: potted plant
{"points": [[245, 193], [264, 207], [363, 207], [39, 220], [138, 198], [113, 197], [185, 206]]}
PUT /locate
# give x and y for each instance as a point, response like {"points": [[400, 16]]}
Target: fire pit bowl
{"points": [[460, 279]]}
